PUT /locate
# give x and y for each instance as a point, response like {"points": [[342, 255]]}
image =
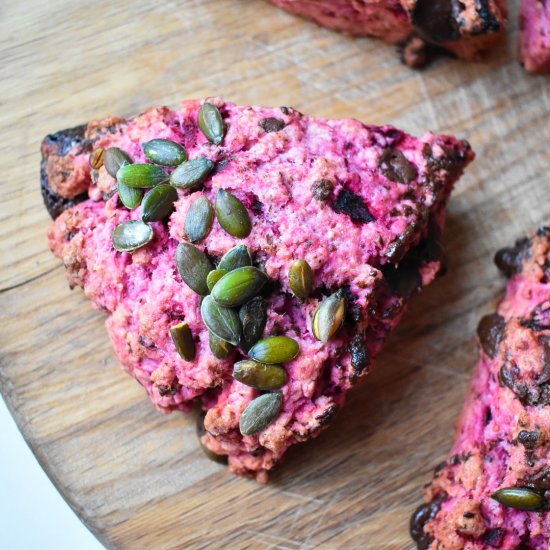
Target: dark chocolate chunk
{"points": [[272, 124], [529, 439], [359, 354], [352, 205], [493, 537], [327, 416], [434, 20], [395, 166], [404, 280], [423, 515], [489, 332], [509, 259], [322, 190]]}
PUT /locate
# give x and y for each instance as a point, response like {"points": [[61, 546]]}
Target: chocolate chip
{"points": [[272, 124], [327, 416], [322, 190], [489, 331], [509, 259], [352, 205], [493, 537], [469, 515], [529, 439], [423, 515], [285, 110], [434, 21], [395, 166], [359, 354]]}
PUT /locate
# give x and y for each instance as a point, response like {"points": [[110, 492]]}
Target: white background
{"points": [[33, 515]]}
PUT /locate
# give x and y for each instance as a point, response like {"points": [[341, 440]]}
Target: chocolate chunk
{"points": [[272, 124], [327, 416], [434, 21], [493, 537], [509, 259], [353, 205], [404, 280], [322, 190], [540, 317], [354, 312], [529, 439], [395, 166], [359, 354], [489, 332], [423, 515]]}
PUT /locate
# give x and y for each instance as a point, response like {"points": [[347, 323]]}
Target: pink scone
{"points": [[503, 437], [363, 205], [465, 28], [535, 35]]}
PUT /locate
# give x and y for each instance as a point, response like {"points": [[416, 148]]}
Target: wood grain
{"points": [[137, 478]]}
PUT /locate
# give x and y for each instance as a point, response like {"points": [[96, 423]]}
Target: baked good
{"points": [[464, 28], [337, 218], [494, 490], [535, 35]]}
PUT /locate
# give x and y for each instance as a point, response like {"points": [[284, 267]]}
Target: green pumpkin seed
{"points": [[300, 279], [260, 413], [165, 152], [235, 258], [222, 459], [214, 276], [158, 203], [239, 286], [211, 123], [259, 376], [275, 349], [253, 316], [131, 235], [520, 498], [130, 198], [219, 348], [192, 173], [232, 214], [199, 219], [329, 317], [114, 158], [183, 340], [141, 176], [222, 321], [194, 267]]}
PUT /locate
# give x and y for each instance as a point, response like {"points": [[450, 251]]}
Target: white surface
{"points": [[33, 515]]}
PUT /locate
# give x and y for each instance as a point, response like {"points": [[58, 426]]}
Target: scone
{"points": [[535, 35], [494, 490], [277, 253]]}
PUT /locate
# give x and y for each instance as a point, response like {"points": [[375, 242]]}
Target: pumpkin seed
{"points": [[211, 123], [115, 158], [194, 267], [260, 413], [131, 235], [232, 214], [222, 321], [300, 279], [96, 158], [329, 317], [158, 203], [275, 349], [253, 316], [201, 430], [183, 340], [214, 276], [140, 176], [235, 258], [239, 286], [165, 152], [219, 348], [191, 173], [199, 219], [130, 198], [259, 376], [520, 498]]}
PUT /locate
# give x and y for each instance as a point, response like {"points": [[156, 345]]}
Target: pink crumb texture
{"points": [[503, 435], [535, 35], [473, 30], [401, 181]]}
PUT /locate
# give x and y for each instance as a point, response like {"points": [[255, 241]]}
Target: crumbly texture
{"points": [[503, 436], [363, 205], [465, 28], [535, 35]]}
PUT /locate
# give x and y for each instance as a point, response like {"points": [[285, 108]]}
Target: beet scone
{"points": [[311, 235], [494, 490], [465, 28], [535, 35]]}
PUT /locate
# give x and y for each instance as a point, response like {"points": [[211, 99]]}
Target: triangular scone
{"points": [[494, 490], [362, 205]]}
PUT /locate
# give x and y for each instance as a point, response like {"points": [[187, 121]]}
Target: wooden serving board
{"points": [[137, 478]]}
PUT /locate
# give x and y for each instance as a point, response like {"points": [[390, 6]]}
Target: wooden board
{"points": [[137, 478]]}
